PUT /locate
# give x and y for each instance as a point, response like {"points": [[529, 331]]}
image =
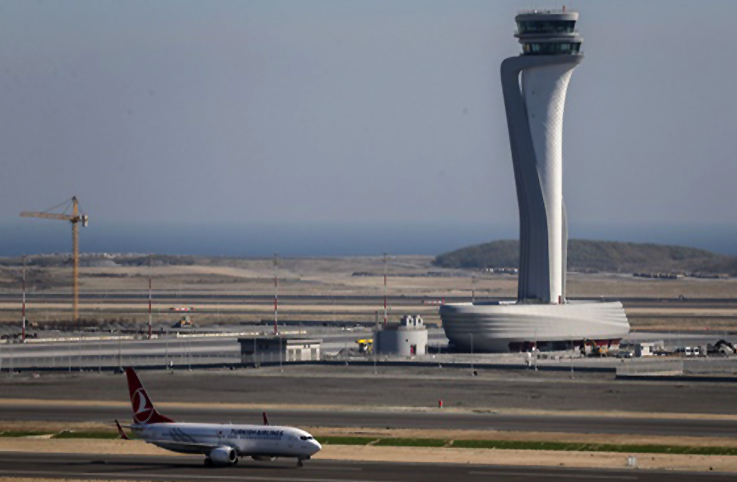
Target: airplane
{"points": [[221, 444]]}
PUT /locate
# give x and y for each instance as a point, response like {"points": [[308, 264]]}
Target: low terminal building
{"points": [[406, 338], [257, 349]]}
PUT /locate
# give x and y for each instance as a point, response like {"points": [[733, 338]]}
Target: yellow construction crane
{"points": [[76, 219]]}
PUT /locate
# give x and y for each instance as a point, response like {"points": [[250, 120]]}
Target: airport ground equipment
{"points": [[365, 346], [76, 219]]}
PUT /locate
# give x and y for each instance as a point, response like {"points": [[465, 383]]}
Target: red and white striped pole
{"points": [[276, 294], [150, 299], [23, 308], [385, 288]]}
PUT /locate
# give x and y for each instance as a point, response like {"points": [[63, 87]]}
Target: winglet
{"points": [[266, 419], [121, 432]]}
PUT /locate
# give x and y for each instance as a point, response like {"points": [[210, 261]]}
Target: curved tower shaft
{"points": [[535, 85]]}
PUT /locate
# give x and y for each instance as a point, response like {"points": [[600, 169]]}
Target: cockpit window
{"points": [[304, 437]]}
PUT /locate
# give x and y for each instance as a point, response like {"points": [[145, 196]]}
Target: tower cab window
{"points": [[551, 48], [560, 26]]}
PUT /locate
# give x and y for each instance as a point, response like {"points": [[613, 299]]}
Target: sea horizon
{"points": [[323, 239]]}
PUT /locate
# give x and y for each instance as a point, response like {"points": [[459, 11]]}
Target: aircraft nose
{"points": [[316, 447]]}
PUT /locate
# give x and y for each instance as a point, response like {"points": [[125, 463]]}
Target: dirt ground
{"points": [[340, 277]]}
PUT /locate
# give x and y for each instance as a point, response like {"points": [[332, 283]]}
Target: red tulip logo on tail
{"points": [[144, 408]]}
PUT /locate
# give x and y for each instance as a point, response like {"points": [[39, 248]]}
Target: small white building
{"points": [[646, 349], [279, 348], [406, 338]]}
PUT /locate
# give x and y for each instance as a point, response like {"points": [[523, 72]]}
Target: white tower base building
{"points": [[504, 327]]}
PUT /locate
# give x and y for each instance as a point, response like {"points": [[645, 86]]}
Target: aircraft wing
{"points": [[184, 446]]}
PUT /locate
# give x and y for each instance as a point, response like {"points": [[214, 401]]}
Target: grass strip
{"points": [[411, 442], [22, 433], [584, 447], [66, 434], [346, 440], [522, 445]]}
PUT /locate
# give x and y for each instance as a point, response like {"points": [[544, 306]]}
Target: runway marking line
{"points": [[143, 476], [562, 476]]}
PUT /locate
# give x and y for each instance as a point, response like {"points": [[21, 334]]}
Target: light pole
{"points": [[281, 355], [472, 371], [572, 350], [150, 298], [276, 294], [473, 289], [385, 261], [23, 328], [373, 353]]}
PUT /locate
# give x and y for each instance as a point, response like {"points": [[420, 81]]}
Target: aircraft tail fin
{"points": [[144, 411]]}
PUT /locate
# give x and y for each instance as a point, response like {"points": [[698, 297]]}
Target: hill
{"points": [[608, 256]]}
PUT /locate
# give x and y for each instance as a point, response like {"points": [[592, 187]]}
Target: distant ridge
{"points": [[606, 256]]}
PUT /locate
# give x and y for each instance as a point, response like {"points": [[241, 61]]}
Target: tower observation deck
{"points": [[548, 33], [535, 85]]}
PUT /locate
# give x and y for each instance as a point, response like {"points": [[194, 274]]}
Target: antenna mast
{"points": [[23, 309], [150, 298], [276, 293]]}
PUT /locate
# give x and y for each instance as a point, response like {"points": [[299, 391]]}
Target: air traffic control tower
{"points": [[535, 85]]}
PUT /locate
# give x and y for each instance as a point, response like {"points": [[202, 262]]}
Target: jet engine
{"points": [[263, 458], [224, 456]]}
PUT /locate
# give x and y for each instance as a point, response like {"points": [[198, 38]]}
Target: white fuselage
{"points": [[246, 440]]}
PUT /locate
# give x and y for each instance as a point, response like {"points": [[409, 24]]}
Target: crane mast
{"points": [[75, 219], [75, 258]]}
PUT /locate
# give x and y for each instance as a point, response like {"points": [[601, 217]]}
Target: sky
{"points": [[358, 119]]}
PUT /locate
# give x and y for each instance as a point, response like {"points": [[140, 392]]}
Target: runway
{"points": [[121, 467], [393, 420]]}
